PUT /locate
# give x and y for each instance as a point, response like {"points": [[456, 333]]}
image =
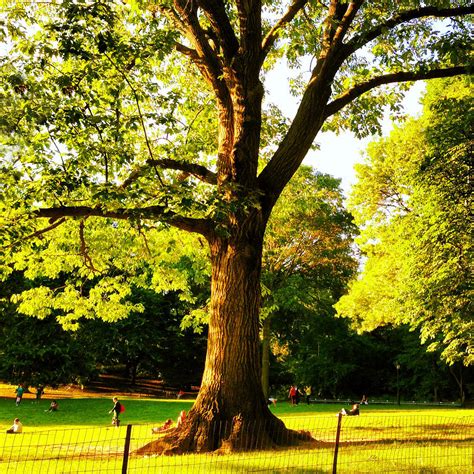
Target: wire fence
{"points": [[342, 444]]}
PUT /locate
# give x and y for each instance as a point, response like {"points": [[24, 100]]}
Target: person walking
{"points": [[39, 393], [19, 394], [116, 410]]}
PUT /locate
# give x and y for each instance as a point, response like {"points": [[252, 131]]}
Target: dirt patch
{"points": [[106, 385]]}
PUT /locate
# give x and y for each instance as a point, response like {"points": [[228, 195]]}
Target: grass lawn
{"points": [[385, 438], [93, 412]]}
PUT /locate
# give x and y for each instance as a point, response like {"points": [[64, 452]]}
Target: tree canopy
{"points": [[120, 117], [413, 201]]}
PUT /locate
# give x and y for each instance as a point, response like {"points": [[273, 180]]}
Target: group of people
{"points": [[17, 426], [295, 394], [118, 408], [20, 390]]}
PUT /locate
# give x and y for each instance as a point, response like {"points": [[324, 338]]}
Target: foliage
{"points": [[98, 106], [305, 272], [148, 343], [416, 227], [38, 351]]}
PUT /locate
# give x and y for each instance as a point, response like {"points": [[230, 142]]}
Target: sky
{"points": [[338, 153]]}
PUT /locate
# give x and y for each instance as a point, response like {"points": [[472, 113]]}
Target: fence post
{"points": [[126, 449], [336, 448]]}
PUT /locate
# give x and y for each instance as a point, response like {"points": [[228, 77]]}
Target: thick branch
{"points": [[346, 21], [215, 12], [403, 17], [208, 61], [402, 76], [173, 17], [272, 35], [191, 53], [161, 213], [250, 22], [199, 171], [298, 140]]}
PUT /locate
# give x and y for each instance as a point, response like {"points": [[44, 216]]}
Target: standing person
{"points": [[19, 394], [17, 427], [364, 400], [307, 392], [297, 396], [39, 393], [293, 395], [116, 410]]}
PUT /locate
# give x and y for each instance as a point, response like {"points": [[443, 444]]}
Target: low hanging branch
{"points": [[161, 213]]}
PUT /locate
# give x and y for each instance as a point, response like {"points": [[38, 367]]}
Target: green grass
{"points": [[93, 412], [87, 412], [385, 438]]}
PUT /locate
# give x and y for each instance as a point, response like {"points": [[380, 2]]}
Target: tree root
{"points": [[221, 437]]}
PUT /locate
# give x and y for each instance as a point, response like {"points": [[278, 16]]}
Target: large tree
{"points": [[140, 112]]}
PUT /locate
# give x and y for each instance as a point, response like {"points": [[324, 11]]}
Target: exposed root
{"points": [[198, 435]]}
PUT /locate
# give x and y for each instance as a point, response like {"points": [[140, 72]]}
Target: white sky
{"points": [[338, 153]]}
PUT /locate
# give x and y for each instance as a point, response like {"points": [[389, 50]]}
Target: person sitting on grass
{"points": [[17, 427], [181, 418], [164, 427], [53, 406], [354, 411]]}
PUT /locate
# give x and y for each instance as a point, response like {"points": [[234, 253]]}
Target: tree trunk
{"points": [[266, 357], [231, 412], [459, 382]]}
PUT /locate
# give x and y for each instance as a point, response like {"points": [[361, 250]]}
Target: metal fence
{"points": [[342, 444]]}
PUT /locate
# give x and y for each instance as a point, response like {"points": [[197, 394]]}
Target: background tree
{"points": [[101, 122], [305, 272], [413, 201], [149, 343], [38, 351]]}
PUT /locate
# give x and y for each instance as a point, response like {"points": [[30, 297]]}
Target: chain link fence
{"points": [[342, 444]]}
